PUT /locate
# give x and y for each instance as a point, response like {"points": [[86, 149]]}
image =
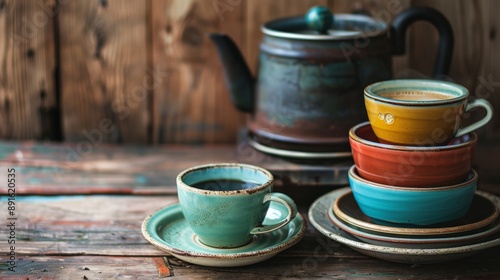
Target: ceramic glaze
{"points": [[308, 88], [168, 230], [229, 218], [414, 242], [482, 213], [320, 221], [417, 206], [411, 166], [425, 120]]}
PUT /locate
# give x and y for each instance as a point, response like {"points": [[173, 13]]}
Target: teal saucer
{"points": [[168, 230]]}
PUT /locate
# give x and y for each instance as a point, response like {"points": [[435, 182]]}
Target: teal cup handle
{"points": [[287, 202], [474, 104], [225, 214]]}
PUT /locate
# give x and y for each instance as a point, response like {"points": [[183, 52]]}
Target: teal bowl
{"points": [[414, 206]]}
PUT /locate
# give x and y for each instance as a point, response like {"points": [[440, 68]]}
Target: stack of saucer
{"points": [[412, 186], [477, 225], [478, 230]]}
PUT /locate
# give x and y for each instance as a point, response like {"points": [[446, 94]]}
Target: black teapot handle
{"points": [[445, 47]]}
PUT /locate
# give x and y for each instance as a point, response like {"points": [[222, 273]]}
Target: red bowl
{"points": [[411, 166]]}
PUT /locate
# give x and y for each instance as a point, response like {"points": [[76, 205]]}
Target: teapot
{"points": [[308, 89]]}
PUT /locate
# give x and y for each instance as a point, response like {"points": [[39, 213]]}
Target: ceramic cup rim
{"points": [[372, 91], [353, 173], [257, 189], [355, 137]]}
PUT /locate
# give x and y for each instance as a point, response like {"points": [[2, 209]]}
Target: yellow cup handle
{"points": [[489, 114]]}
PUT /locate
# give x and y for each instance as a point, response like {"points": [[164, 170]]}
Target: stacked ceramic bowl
{"points": [[412, 182]]}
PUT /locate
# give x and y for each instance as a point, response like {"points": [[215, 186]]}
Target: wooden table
{"points": [[79, 209]]}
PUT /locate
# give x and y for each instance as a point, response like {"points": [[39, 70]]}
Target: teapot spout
{"points": [[237, 76]]}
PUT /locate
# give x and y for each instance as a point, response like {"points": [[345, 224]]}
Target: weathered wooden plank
{"points": [[84, 225], [468, 32], [475, 55], [97, 225], [28, 103], [91, 267], [47, 153], [191, 104], [488, 85], [64, 235], [46, 169], [106, 80], [327, 263]]}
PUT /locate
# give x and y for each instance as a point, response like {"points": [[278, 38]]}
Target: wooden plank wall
{"points": [[145, 71], [28, 101], [476, 56], [103, 50], [191, 104]]}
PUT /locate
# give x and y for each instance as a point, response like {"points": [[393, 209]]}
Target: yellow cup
{"points": [[420, 112]]}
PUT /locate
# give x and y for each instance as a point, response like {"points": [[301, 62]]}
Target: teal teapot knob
{"points": [[319, 19]]}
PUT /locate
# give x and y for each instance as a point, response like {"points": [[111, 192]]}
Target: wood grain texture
{"points": [[28, 105], [111, 169], [106, 81], [145, 72], [335, 262], [118, 170], [475, 55], [85, 225], [192, 105], [466, 21], [151, 170], [488, 85], [99, 236]]}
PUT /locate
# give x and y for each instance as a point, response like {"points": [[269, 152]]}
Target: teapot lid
{"points": [[320, 24]]}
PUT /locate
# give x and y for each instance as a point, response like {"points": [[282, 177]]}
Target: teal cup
{"points": [[225, 204]]}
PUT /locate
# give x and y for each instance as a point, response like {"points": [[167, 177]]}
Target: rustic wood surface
{"points": [[95, 231], [28, 105], [475, 55], [145, 71], [191, 103], [152, 170], [342, 264], [256, 17], [62, 236], [107, 84]]}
